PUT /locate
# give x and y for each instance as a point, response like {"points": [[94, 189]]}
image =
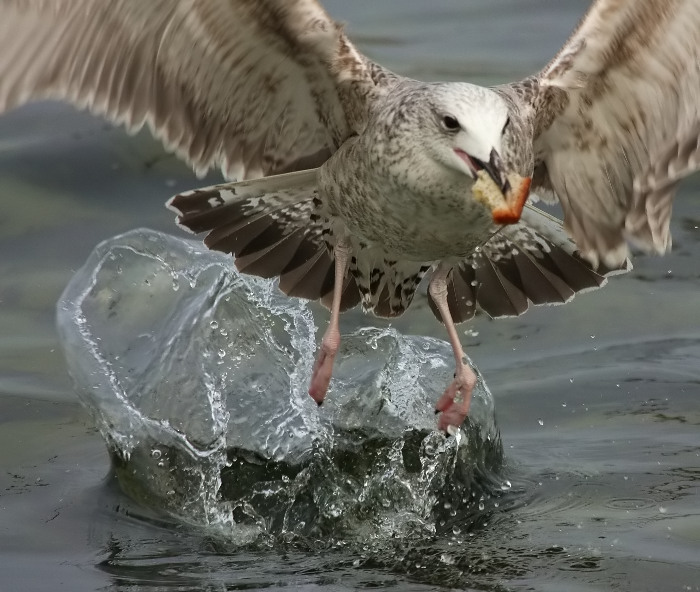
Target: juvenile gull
{"points": [[362, 181]]}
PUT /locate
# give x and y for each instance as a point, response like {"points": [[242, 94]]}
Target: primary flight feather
{"points": [[352, 182]]}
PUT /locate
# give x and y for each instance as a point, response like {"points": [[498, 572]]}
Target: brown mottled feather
{"points": [[251, 87], [601, 112]]}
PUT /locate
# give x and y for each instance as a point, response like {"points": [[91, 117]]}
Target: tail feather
{"points": [[533, 261], [272, 228]]}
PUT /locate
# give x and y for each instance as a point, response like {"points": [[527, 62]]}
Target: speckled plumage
{"points": [[388, 165]]}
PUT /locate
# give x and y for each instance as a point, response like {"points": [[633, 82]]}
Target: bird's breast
{"points": [[418, 226]]}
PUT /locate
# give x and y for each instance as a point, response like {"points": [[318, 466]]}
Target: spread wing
{"points": [[624, 86], [251, 86]]}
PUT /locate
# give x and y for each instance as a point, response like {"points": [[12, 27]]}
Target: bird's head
{"points": [[472, 134]]}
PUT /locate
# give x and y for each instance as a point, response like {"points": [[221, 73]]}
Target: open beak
{"points": [[508, 198]]}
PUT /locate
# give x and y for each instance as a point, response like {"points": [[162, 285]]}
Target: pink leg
{"points": [[323, 367], [453, 409]]}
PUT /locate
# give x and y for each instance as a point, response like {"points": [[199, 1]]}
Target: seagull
{"points": [[351, 183]]}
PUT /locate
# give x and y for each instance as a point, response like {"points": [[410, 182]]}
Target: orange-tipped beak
{"points": [[512, 206]]}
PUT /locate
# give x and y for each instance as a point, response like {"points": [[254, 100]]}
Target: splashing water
{"points": [[196, 377]]}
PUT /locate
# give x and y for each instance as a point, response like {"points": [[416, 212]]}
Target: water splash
{"points": [[200, 394]]}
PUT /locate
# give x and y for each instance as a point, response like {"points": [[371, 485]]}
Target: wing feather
{"points": [[618, 92], [248, 86], [655, 187]]}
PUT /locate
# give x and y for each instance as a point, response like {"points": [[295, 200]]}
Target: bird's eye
{"points": [[505, 126], [450, 123]]}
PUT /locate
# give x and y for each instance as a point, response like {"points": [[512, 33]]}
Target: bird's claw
{"points": [[321, 375], [454, 403]]}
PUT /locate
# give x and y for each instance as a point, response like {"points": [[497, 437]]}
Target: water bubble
{"points": [[540, 421], [221, 353], [481, 505], [155, 453], [506, 485], [663, 510], [214, 324], [474, 283]]}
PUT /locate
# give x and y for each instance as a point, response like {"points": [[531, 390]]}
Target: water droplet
{"points": [[456, 529], [447, 559], [334, 511], [474, 283], [221, 353], [506, 485], [214, 324], [481, 505], [155, 453], [663, 510], [540, 421]]}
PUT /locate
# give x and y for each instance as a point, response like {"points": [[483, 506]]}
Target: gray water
{"points": [[597, 401]]}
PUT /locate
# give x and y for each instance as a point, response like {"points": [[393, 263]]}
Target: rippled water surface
{"points": [[598, 402]]}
